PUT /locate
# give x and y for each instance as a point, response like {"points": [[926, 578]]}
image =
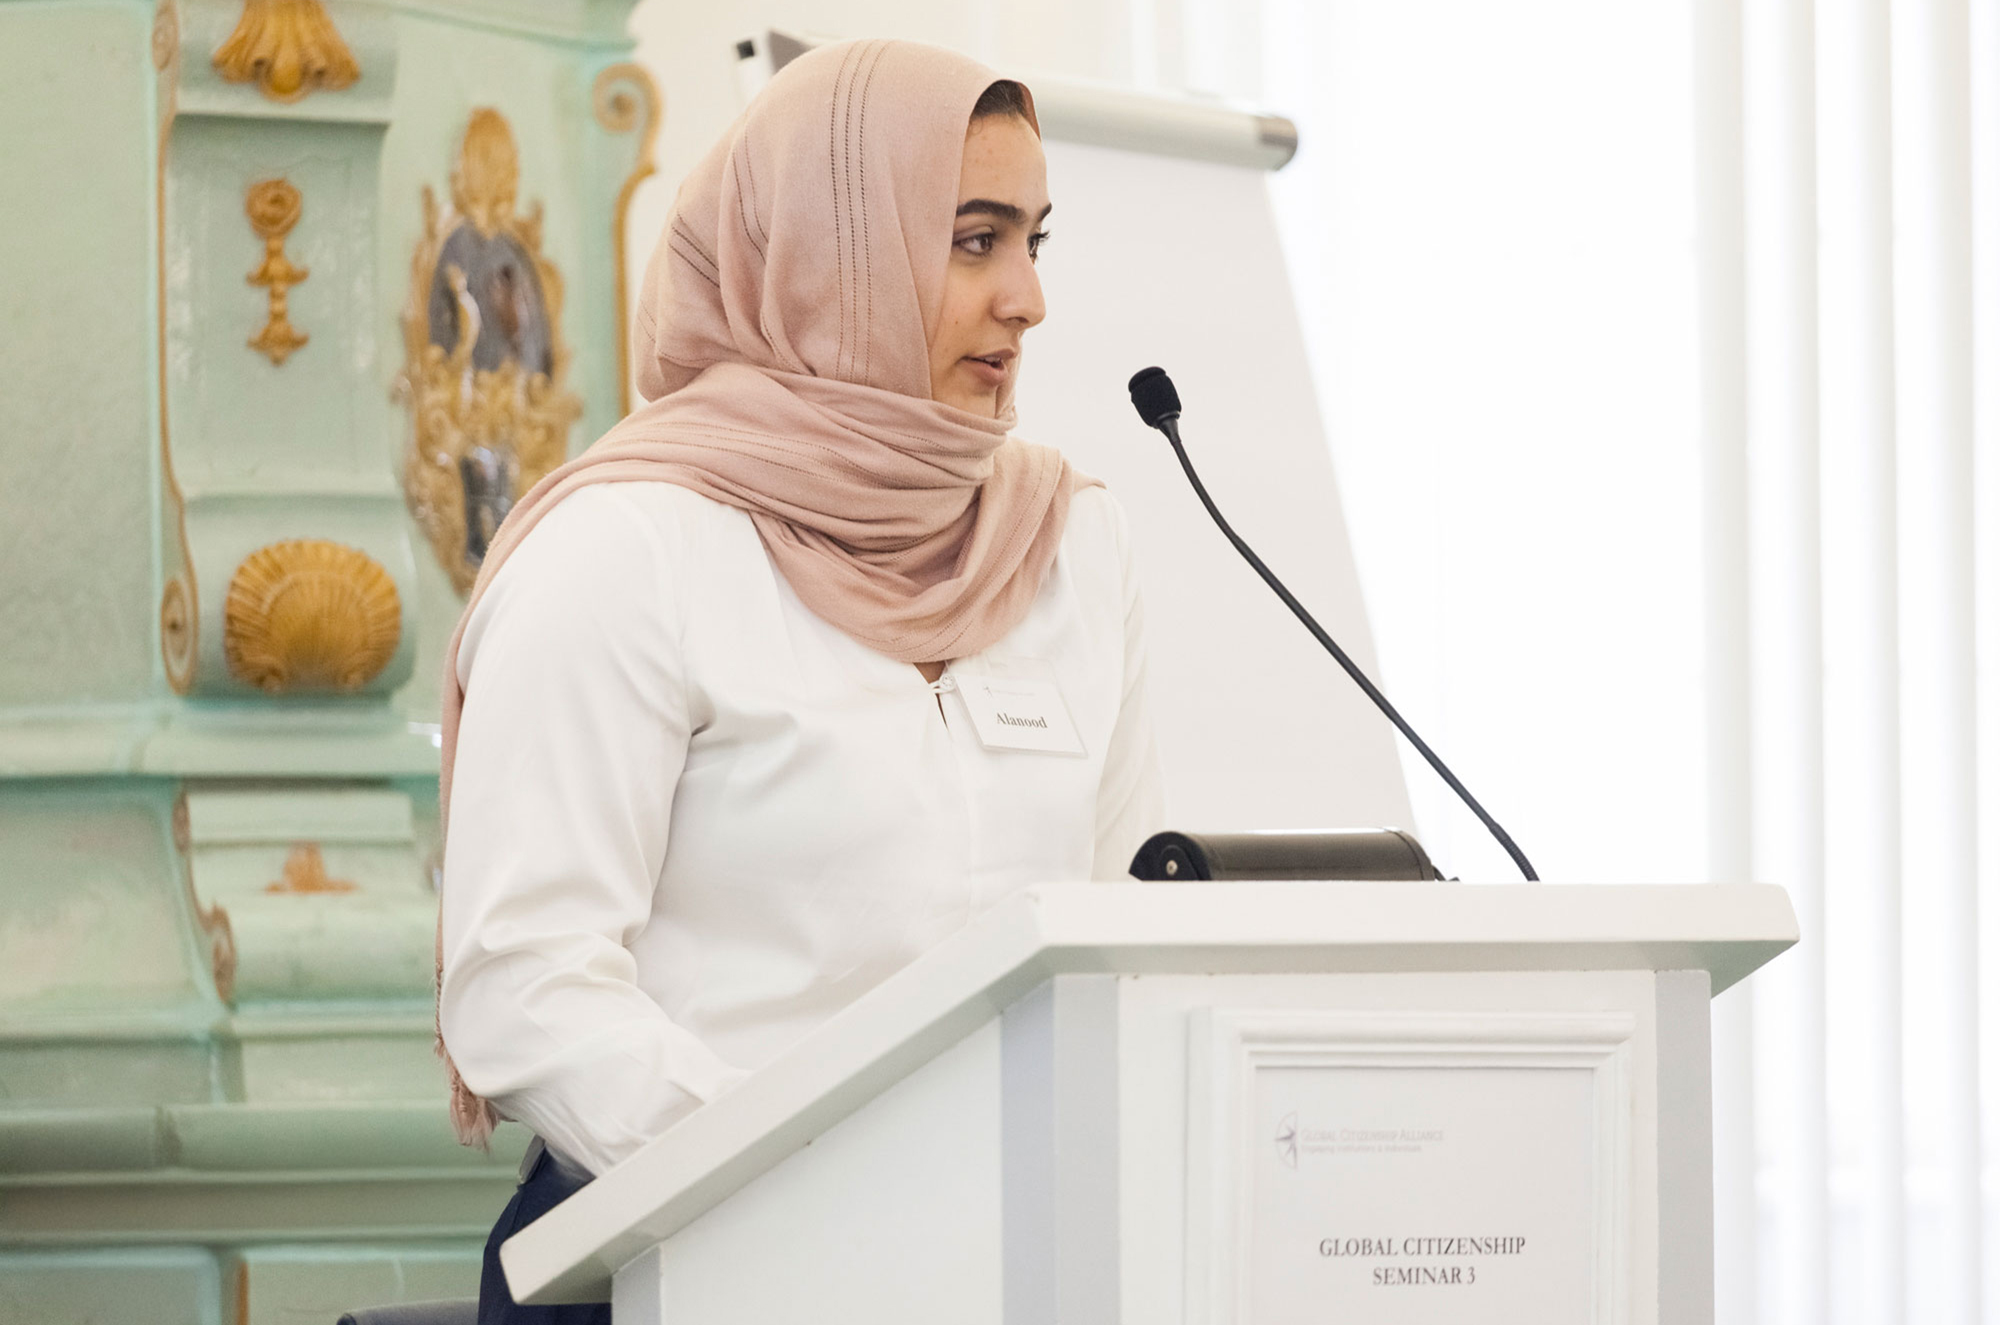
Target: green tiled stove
{"points": [[298, 298]]}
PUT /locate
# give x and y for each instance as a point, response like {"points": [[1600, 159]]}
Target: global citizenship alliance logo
{"points": [[1288, 1140], [1296, 1143]]}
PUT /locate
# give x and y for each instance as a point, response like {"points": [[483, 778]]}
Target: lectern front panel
{"points": [[1406, 1168], [1397, 1149]]}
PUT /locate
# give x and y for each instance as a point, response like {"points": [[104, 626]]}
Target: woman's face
{"points": [[991, 292]]}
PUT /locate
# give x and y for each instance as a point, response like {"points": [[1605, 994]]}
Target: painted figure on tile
{"points": [[485, 367]]}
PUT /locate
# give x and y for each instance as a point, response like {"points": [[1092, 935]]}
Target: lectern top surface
{"points": [[1137, 929]]}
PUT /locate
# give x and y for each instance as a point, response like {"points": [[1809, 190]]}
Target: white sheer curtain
{"points": [[1859, 133], [1659, 345], [1860, 1095]]}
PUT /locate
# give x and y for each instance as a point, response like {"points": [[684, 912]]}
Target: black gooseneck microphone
{"points": [[1153, 395]]}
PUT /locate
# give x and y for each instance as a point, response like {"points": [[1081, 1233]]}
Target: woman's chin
{"points": [[984, 403]]}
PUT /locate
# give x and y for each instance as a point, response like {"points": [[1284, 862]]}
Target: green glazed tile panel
{"points": [[76, 440], [343, 946], [169, 1286], [370, 935], [329, 1066], [352, 814], [92, 907], [279, 1285], [166, 1157], [268, 452], [242, 424], [77, 1068], [306, 739], [199, 1208], [223, 1142], [314, 1285]]}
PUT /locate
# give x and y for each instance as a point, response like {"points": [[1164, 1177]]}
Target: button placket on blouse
{"points": [[955, 736], [941, 687]]}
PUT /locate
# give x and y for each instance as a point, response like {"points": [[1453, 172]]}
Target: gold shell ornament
{"points": [[288, 48], [309, 614], [484, 361]]}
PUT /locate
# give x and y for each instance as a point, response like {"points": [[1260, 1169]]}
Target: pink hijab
{"points": [[783, 341]]}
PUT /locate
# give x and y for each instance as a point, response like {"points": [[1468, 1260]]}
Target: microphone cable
{"points": [[1159, 405]]}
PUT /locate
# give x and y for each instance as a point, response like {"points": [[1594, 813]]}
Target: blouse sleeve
{"points": [[572, 739], [1131, 796]]}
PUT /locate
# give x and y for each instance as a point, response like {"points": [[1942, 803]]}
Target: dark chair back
{"points": [[417, 1313]]}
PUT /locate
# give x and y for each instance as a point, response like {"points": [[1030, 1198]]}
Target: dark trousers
{"points": [[544, 1187]]}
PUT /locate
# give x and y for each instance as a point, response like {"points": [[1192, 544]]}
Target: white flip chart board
{"points": [[1159, 260]]}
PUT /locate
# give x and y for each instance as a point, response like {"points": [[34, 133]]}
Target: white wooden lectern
{"points": [[1212, 1104]]}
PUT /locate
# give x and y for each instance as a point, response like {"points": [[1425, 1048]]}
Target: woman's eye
{"points": [[979, 245], [1035, 242]]}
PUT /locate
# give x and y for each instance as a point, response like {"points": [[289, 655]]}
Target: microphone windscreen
{"points": [[1153, 395]]}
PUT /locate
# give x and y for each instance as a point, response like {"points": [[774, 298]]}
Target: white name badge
{"points": [[1016, 704]]}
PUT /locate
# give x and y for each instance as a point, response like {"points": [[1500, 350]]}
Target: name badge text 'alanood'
{"points": [[1434, 1250]]}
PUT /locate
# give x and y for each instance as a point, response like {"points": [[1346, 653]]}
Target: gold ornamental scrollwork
{"points": [[212, 920], [624, 97], [309, 614], [274, 206], [166, 35], [484, 363], [221, 935], [177, 633], [179, 597], [289, 48]]}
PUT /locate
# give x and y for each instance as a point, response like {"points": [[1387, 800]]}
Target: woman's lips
{"points": [[992, 371]]}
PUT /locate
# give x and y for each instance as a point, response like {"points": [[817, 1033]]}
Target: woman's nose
{"points": [[1019, 298]]}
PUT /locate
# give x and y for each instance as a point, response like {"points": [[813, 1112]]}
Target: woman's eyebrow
{"points": [[1004, 211]]}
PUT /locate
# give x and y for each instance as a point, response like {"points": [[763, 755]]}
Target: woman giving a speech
{"points": [[807, 661]]}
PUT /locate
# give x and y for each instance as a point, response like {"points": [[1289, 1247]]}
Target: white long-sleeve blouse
{"points": [[690, 820]]}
